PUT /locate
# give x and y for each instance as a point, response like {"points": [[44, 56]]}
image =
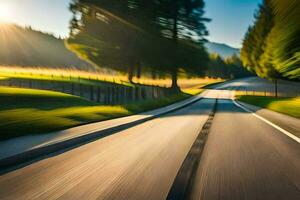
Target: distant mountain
{"points": [[223, 50], [26, 47]]}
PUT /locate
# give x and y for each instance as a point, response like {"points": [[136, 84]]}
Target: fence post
{"points": [[136, 92], [132, 93], [72, 88], [111, 101], [152, 92], [143, 93], [111, 96], [80, 90], [117, 94], [98, 94], [276, 88], [108, 93], [115, 91], [92, 92]]}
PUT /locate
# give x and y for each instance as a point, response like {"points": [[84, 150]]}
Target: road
{"points": [[244, 158], [285, 88]]}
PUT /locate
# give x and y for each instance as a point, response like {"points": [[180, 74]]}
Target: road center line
{"points": [[184, 179], [268, 122]]}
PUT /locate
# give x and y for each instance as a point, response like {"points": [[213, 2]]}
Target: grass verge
{"points": [[30, 111], [289, 106]]}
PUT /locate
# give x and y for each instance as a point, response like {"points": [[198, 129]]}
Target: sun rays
{"points": [[5, 12]]}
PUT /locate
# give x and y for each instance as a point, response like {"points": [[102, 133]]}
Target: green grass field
{"points": [[289, 106], [28, 111], [31, 111], [92, 78]]}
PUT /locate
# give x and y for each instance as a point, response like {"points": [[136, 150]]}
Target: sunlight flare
{"points": [[5, 12]]}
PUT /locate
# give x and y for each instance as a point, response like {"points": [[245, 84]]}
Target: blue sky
{"points": [[230, 18], [46, 15]]}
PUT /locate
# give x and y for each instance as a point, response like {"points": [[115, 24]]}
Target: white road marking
{"points": [[268, 122]]}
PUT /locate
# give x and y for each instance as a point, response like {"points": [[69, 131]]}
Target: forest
{"points": [[271, 47]]}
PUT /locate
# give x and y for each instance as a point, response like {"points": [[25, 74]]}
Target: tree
{"points": [[271, 47], [105, 38], [255, 41], [228, 68], [182, 20], [128, 35], [283, 43]]}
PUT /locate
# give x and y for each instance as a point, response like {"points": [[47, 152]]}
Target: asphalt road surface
{"points": [[244, 158], [256, 84]]}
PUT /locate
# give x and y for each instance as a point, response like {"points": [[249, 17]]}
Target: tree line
{"points": [[271, 47], [226, 68]]}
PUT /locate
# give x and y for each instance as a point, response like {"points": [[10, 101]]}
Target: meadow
{"points": [[26, 111]]}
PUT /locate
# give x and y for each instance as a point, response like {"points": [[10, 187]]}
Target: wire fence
{"points": [[101, 92]]}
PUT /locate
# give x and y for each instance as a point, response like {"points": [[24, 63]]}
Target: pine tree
{"points": [[121, 34], [271, 47]]}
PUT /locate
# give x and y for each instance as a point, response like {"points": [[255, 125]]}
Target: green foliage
{"points": [[271, 47], [284, 38], [159, 36], [289, 106], [228, 68]]}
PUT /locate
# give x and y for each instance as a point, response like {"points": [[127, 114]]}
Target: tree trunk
{"points": [[276, 88], [153, 74], [174, 86], [174, 73], [138, 70], [130, 73], [175, 26]]}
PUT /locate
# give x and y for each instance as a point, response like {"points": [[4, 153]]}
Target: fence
{"points": [[104, 93]]}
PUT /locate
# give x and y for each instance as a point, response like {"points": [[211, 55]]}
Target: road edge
{"points": [[287, 133], [26, 156]]}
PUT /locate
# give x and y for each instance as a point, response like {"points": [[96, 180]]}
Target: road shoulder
{"points": [[288, 123]]}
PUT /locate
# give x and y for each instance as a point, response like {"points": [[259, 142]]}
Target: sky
{"points": [[50, 16], [230, 18]]}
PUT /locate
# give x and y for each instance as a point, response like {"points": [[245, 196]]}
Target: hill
{"points": [[223, 50], [26, 47]]}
